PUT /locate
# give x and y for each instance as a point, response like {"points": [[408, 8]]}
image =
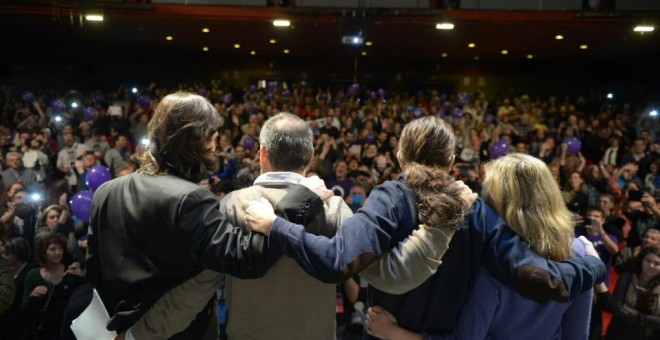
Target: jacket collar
{"points": [[276, 178]]}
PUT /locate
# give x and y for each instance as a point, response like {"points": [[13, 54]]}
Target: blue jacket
{"points": [[389, 215], [494, 311]]}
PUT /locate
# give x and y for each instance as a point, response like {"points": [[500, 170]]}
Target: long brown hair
{"points": [[427, 147], [182, 124]]}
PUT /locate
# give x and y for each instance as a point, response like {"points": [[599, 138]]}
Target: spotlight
{"points": [[281, 23], [134, 90], [352, 40], [94, 17]]}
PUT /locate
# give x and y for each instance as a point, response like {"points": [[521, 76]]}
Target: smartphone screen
{"points": [[635, 195]]}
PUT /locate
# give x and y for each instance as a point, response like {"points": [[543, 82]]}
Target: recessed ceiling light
{"points": [[444, 55], [205, 30], [237, 45], [505, 52], [559, 37], [205, 48], [169, 37], [644, 28], [444, 26], [364, 53], [476, 57], [584, 47], [286, 51], [253, 52], [369, 43], [530, 56], [281, 23], [94, 17], [272, 41], [472, 45]]}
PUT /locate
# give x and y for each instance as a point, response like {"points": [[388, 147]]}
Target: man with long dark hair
{"points": [[155, 229]]}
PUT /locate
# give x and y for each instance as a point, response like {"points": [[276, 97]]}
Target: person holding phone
{"points": [[643, 213], [606, 245]]}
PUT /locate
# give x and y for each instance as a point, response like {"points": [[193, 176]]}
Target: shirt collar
{"points": [[278, 178]]}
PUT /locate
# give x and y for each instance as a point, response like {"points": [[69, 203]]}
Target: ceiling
{"points": [[315, 32]]}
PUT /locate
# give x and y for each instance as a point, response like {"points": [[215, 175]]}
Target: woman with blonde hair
{"points": [[522, 190], [394, 210]]}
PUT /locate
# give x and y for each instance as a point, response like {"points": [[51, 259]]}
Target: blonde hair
{"points": [[522, 190]]}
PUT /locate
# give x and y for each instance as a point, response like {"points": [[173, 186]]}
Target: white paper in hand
{"points": [[90, 325]]}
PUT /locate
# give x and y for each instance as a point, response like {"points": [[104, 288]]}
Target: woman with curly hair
{"points": [[522, 190]]}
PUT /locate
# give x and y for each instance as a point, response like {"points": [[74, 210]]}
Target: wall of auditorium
{"points": [[106, 66]]}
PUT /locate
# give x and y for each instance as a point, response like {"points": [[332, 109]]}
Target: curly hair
{"points": [[181, 126], [427, 147]]}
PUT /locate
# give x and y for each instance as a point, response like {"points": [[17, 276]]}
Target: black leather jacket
{"points": [[149, 234]]}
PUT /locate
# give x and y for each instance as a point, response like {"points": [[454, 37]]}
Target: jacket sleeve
{"points": [[411, 262], [219, 246], [510, 260], [300, 205], [359, 241], [175, 310]]}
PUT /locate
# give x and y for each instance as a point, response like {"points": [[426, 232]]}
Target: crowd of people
{"points": [[49, 142]]}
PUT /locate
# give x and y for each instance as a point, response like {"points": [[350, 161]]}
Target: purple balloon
{"points": [[499, 149], [270, 97], [574, 145], [252, 89], [417, 112], [227, 99], [323, 96], [58, 106], [286, 93], [81, 205], [144, 101], [90, 113], [370, 138], [440, 114], [201, 91], [29, 97], [98, 99], [463, 98], [97, 175], [373, 95], [446, 108], [353, 90], [272, 86], [248, 143], [303, 84], [489, 118], [457, 113], [381, 93]]}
